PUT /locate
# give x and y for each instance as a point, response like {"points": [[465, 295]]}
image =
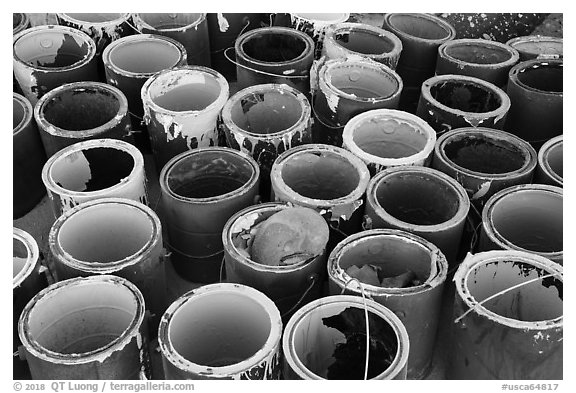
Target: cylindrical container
{"points": [[421, 35], [315, 24], [484, 161], [537, 47], [348, 87], [112, 236], [536, 92], [508, 318], [46, 57], [100, 168], [314, 336], [181, 107], [274, 55], [201, 189], [360, 39], [191, 30], [20, 21], [289, 286], [527, 218], [383, 138], [487, 60], [86, 328], [550, 163], [419, 200], [29, 157], [80, 111], [326, 178], [456, 101], [416, 300], [238, 336]]}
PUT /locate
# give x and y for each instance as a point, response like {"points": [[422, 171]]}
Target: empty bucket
{"points": [[550, 163], [537, 47]]}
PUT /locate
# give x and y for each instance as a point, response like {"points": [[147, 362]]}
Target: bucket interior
{"points": [[92, 169], [548, 77], [274, 47], [208, 174], [389, 138], [418, 199], [185, 91], [363, 81], [483, 154], [320, 175], [538, 301], [330, 353], [81, 108], [96, 17], [321, 17], [170, 21], [363, 41], [51, 48], [555, 159], [478, 53], [19, 256], [18, 113], [418, 26], [145, 56], [531, 220], [17, 18], [77, 319], [106, 233], [266, 112], [465, 96], [537, 47], [233, 327]]}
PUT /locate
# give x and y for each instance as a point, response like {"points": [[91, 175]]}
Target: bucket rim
{"points": [[32, 257], [448, 28], [141, 24], [341, 27], [514, 42], [24, 22], [543, 154], [19, 99], [534, 64], [122, 18], [514, 55]]}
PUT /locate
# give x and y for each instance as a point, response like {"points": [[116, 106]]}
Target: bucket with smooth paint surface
{"points": [[487, 60], [238, 336], [20, 21], [274, 55], [181, 107], [29, 157], [550, 163], [508, 318], [456, 101], [315, 24], [326, 339], [359, 39], [112, 236], [413, 272], [49, 56], [536, 91], [422, 201], [346, 88], [384, 138], [537, 47], [100, 168], [421, 35], [80, 111], [484, 161], [201, 189], [86, 328], [191, 30], [526, 217]]}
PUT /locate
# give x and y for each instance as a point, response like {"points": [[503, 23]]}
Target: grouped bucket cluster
{"points": [[324, 208]]}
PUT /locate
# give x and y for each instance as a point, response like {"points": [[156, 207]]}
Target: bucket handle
{"points": [[313, 279], [367, 324], [227, 56]]}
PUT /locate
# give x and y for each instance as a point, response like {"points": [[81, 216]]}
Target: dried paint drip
{"points": [[315, 24]]}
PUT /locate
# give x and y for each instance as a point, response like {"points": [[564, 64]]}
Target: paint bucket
{"points": [[181, 107], [274, 55], [264, 121], [315, 24], [308, 344], [289, 286], [526, 218], [191, 30], [384, 138], [86, 328], [20, 21], [29, 157], [346, 88], [537, 47], [487, 60], [358, 39], [419, 200], [112, 236], [100, 168], [201, 189], [456, 101], [550, 163], [238, 336], [417, 305], [80, 111], [46, 57], [326, 178], [536, 92], [484, 161], [421, 35], [517, 334]]}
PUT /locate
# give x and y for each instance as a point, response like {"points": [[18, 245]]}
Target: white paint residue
{"points": [[474, 122], [288, 72], [245, 222], [484, 188], [345, 211], [332, 100], [222, 23]]}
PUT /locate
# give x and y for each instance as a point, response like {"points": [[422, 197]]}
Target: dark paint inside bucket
{"points": [[145, 57], [388, 138], [188, 97], [545, 77], [18, 114], [466, 97], [50, 49], [478, 53], [555, 159], [363, 41], [419, 27], [274, 47], [19, 256]]}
